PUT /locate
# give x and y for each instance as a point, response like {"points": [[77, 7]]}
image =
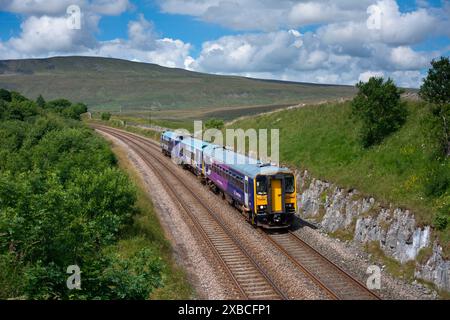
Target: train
{"points": [[266, 194]]}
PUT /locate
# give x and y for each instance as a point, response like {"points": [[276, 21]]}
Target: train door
{"points": [[246, 192], [277, 192]]}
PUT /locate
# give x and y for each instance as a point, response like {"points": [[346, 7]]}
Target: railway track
{"points": [[249, 277], [335, 281], [328, 275]]}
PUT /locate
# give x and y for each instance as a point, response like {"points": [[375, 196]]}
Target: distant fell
{"points": [[106, 83]]}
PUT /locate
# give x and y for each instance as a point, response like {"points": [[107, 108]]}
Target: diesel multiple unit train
{"points": [[265, 193]]}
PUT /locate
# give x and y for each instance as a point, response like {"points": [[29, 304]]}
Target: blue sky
{"points": [[320, 41]]}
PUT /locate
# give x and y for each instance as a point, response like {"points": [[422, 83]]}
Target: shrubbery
{"points": [[64, 202], [214, 124], [436, 91], [379, 108], [106, 116]]}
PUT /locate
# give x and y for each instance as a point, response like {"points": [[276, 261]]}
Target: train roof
{"points": [[194, 144], [241, 163], [187, 141], [170, 135], [236, 161]]}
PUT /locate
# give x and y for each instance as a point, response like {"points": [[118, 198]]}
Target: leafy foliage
{"points": [[379, 108], [63, 202], [106, 116], [442, 218], [40, 101], [5, 95], [66, 108], [214, 124], [436, 90]]}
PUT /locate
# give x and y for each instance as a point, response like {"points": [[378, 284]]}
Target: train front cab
{"points": [[166, 143], [275, 200]]}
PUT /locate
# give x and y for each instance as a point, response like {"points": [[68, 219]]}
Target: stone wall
{"points": [[394, 229]]}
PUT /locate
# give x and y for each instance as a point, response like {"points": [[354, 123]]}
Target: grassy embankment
{"points": [[324, 140]]}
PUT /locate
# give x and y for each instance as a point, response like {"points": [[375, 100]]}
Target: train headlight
{"points": [[262, 208]]}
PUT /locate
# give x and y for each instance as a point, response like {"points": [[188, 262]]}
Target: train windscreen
{"points": [[289, 184], [261, 185]]}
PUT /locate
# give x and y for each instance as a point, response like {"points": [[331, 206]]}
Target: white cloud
{"points": [[310, 12], [404, 58], [109, 7], [142, 34], [39, 7], [262, 52], [393, 28], [167, 52], [276, 55], [408, 79], [45, 36], [365, 76], [266, 15], [403, 28], [341, 50], [59, 7]]}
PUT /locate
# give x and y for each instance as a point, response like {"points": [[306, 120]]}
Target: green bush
{"points": [[438, 180], [214, 124], [379, 108], [40, 101], [63, 202], [134, 277], [441, 220], [436, 90], [5, 95], [106, 116]]}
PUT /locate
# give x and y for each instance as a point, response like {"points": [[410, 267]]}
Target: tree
{"points": [[5, 95], [436, 91], [17, 97], [59, 105], [106, 116], [379, 108], [214, 124], [40, 101], [74, 111]]}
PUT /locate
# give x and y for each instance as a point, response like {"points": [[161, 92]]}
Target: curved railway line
{"points": [[249, 277]]}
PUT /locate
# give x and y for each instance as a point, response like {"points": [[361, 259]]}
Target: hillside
{"points": [[401, 170], [105, 83]]}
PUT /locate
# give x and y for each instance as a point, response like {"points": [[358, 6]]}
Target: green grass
{"points": [[146, 232], [164, 123], [324, 139], [108, 84]]}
